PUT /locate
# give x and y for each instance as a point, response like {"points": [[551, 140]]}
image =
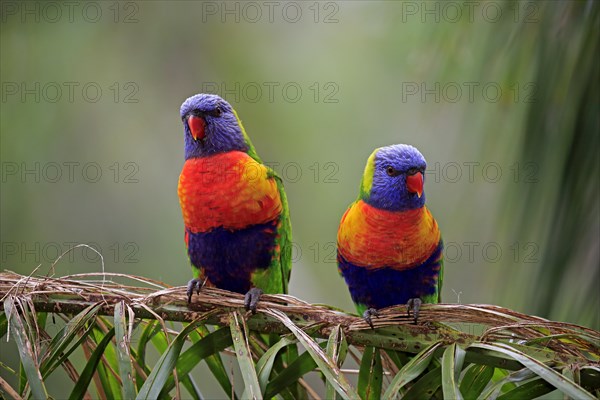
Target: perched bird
{"points": [[235, 212], [389, 244]]}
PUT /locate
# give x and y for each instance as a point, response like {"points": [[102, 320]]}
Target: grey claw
{"points": [[194, 284], [370, 312], [415, 306], [251, 299]]}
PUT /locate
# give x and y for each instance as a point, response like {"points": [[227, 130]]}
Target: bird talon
{"points": [[415, 305], [194, 284], [251, 299], [370, 312]]}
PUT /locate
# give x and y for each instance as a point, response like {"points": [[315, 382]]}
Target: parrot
{"points": [[389, 246], [237, 227]]}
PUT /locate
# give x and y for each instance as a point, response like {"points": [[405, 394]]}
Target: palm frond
{"points": [[458, 351]]}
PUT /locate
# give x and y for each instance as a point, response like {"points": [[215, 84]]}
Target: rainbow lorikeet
{"points": [[389, 244], [235, 212]]}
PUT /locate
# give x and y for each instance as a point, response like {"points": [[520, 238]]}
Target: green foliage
{"points": [[25, 344], [452, 363], [370, 374], [115, 348], [411, 370], [560, 140], [475, 379]]}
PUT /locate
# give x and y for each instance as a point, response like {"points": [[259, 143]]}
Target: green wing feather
{"points": [[436, 297], [284, 237], [275, 278], [441, 275]]}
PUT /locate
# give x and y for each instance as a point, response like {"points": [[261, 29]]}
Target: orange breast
{"points": [[229, 190], [376, 238]]}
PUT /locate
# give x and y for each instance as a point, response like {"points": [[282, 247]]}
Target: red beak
{"points": [[197, 126], [414, 183]]}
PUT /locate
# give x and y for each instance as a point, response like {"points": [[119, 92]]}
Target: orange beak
{"points": [[197, 126], [414, 183]]}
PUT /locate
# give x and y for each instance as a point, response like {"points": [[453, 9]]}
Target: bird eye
{"points": [[391, 171], [412, 171], [217, 112]]}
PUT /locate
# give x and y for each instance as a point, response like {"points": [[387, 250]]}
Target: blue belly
{"points": [[229, 257], [384, 287]]}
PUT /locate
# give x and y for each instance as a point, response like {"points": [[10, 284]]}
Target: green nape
{"points": [[367, 179], [251, 150]]}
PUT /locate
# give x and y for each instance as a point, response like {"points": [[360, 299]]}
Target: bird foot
{"points": [[370, 312], [415, 306], [251, 299], [194, 284]]}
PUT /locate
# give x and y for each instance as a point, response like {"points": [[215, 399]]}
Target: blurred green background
{"points": [[500, 97]]}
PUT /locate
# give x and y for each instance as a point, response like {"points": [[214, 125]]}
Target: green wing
{"points": [[284, 238], [436, 296], [275, 278], [441, 275]]}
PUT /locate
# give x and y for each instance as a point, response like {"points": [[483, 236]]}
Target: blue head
{"points": [[393, 178], [211, 126]]}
